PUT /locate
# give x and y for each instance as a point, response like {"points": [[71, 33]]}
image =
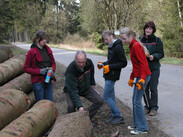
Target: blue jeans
{"points": [[43, 91], [139, 119], [109, 97]]}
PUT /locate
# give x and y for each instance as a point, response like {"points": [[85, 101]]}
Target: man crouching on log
{"points": [[80, 81]]}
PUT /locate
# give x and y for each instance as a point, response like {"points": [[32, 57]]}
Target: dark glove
{"points": [[52, 75], [43, 71]]}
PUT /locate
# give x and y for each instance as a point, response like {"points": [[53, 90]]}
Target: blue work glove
{"points": [[43, 71]]}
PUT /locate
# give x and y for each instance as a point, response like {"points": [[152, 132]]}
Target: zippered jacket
{"points": [[32, 58], [116, 60], [155, 47], [139, 61]]}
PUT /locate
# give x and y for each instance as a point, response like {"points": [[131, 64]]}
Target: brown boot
{"points": [[153, 113]]}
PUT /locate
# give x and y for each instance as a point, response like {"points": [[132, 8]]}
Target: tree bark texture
{"points": [[22, 82], [75, 124], [12, 104], [11, 68], [32, 99], [5, 53], [33, 123]]}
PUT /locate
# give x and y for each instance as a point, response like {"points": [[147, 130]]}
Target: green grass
{"points": [[18, 51], [171, 60]]}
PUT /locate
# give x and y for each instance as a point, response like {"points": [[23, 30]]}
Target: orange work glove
{"points": [[140, 83], [130, 81], [99, 65], [106, 69]]}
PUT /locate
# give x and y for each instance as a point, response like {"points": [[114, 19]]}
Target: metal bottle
{"points": [[48, 76]]}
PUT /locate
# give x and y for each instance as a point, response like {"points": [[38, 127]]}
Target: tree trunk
{"points": [[22, 82], [5, 53], [33, 123], [76, 124], [11, 68], [12, 104], [180, 14]]}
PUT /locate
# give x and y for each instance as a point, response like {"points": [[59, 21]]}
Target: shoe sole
{"points": [[130, 128], [138, 133], [118, 123]]}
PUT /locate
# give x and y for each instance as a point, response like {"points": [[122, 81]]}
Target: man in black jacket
{"points": [[112, 68], [80, 81]]}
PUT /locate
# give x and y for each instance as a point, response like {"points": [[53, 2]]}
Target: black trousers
{"points": [[152, 90], [92, 96]]}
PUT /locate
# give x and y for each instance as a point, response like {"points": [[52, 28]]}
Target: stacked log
{"points": [[5, 53], [32, 99], [33, 123], [11, 68], [12, 104], [22, 82], [75, 124]]}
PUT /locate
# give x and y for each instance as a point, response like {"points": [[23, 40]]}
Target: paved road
{"points": [[170, 114]]}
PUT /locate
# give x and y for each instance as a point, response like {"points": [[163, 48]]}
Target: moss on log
{"points": [[12, 104], [11, 68], [33, 123]]}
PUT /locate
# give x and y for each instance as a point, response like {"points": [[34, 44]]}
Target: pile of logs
{"points": [[21, 116]]}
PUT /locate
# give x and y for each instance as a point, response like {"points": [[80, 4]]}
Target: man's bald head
{"points": [[80, 58]]}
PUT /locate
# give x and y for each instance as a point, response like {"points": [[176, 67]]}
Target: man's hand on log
{"points": [[81, 109]]}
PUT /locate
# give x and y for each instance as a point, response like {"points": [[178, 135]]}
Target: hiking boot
{"points": [[137, 132], [117, 120], [146, 111], [131, 127], [153, 113], [109, 120]]}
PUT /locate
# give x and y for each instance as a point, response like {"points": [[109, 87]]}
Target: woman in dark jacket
{"points": [[154, 46], [116, 60], [39, 60]]}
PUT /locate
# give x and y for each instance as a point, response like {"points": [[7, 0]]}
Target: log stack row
{"points": [[21, 117], [16, 96]]}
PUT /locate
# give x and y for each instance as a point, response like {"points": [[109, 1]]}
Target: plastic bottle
{"points": [[48, 76]]}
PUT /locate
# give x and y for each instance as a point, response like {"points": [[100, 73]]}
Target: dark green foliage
{"points": [[174, 42], [5, 20], [97, 38]]}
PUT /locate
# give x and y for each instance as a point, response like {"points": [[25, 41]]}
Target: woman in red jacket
{"points": [[142, 74], [39, 60]]}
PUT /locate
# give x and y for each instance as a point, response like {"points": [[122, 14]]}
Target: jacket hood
{"points": [[33, 46]]}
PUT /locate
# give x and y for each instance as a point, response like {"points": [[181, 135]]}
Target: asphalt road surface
{"points": [[170, 114]]}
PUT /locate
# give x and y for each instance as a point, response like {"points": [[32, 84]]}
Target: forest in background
{"points": [[62, 19]]}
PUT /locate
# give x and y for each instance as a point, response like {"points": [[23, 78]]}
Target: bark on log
{"points": [[32, 99], [5, 53], [22, 82], [76, 124], [11, 68], [34, 122], [12, 104]]}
